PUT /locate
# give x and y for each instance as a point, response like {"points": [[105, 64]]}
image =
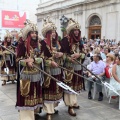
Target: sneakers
{"points": [[100, 96], [89, 95]]}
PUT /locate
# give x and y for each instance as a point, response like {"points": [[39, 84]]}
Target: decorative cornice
{"points": [[76, 9], [39, 19], [78, 12], [70, 5]]}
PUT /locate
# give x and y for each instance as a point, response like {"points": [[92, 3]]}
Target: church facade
{"points": [[97, 18]]}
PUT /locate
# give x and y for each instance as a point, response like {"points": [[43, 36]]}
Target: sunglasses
{"points": [[109, 56]]}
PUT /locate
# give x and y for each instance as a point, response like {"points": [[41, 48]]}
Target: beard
{"points": [[34, 42], [34, 39], [76, 35], [53, 37]]}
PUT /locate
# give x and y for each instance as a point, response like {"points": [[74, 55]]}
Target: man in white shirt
{"points": [[98, 68]]}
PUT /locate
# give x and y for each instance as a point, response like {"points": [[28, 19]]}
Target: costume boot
{"points": [[49, 117], [71, 111], [4, 83]]}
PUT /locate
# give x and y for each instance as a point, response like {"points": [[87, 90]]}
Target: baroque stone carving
{"points": [[95, 20]]}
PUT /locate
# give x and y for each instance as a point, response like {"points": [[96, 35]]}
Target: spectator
{"points": [[102, 43], [91, 51], [115, 80], [109, 64], [98, 40], [112, 50], [106, 51], [98, 68], [103, 54], [116, 55], [87, 60]]}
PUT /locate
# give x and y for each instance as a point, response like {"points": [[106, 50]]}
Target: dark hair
{"points": [[99, 56], [118, 57], [91, 58], [91, 48], [101, 46], [108, 49], [31, 32]]}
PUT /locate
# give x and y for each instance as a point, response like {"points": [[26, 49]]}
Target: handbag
{"points": [[107, 74]]}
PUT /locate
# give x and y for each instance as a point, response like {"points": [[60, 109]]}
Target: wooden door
{"points": [[94, 32]]}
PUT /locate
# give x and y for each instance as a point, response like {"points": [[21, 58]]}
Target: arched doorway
{"points": [[94, 27]]}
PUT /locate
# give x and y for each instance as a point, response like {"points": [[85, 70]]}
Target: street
{"points": [[89, 109]]}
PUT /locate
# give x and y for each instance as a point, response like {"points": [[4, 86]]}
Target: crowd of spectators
{"points": [[103, 59]]}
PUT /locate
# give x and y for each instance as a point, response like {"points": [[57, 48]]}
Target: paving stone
{"points": [[106, 112], [115, 118], [7, 102], [89, 109], [10, 117], [8, 110]]}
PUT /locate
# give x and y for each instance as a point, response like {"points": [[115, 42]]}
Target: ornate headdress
{"points": [[39, 37], [48, 26], [72, 24], [21, 45], [8, 34], [29, 26], [20, 34]]}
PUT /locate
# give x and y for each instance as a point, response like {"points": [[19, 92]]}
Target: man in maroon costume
{"points": [[52, 93], [8, 60], [20, 47], [72, 47], [29, 81]]}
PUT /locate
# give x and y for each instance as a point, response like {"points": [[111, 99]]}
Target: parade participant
{"points": [[50, 48], [72, 46], [29, 81], [20, 55], [7, 60], [15, 38], [21, 46]]}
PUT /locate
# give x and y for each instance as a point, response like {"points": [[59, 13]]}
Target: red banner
{"points": [[13, 19]]}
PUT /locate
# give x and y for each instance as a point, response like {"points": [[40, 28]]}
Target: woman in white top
{"points": [[115, 80]]}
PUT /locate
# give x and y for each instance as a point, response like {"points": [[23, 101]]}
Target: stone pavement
{"points": [[90, 109]]}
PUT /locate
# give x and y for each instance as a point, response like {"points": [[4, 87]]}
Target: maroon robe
{"points": [[34, 97], [76, 82], [11, 63], [52, 93]]}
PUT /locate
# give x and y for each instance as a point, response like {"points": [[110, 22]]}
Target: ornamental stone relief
{"points": [[95, 20]]}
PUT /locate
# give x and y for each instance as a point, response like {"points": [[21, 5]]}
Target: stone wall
{"points": [[82, 10]]}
